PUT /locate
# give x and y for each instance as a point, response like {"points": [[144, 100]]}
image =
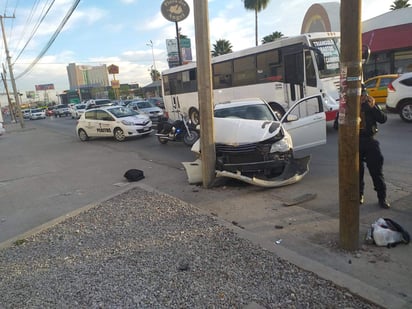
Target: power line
{"points": [[56, 33]]}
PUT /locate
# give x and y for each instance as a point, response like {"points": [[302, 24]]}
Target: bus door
{"points": [[294, 73]]}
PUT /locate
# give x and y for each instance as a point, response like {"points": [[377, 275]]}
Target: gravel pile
{"points": [[147, 250]]}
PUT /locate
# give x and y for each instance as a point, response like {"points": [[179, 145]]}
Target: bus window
{"points": [[310, 70], [269, 67], [189, 81], [175, 83], [222, 75], [294, 69], [166, 87], [244, 71]]}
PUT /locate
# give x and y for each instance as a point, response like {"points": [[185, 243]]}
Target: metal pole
{"points": [[13, 82], [349, 113], [179, 52]]}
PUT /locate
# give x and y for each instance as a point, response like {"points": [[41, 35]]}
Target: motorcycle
{"points": [[181, 130]]}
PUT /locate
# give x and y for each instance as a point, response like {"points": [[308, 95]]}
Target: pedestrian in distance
{"points": [[369, 149]]}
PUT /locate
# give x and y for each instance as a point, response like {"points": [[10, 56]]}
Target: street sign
{"points": [[175, 10]]}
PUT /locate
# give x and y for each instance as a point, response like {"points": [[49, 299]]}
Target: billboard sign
{"points": [[44, 87]]}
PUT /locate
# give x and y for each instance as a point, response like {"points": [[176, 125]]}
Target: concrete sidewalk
{"points": [[304, 236]]}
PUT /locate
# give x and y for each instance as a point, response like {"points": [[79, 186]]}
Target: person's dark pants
{"points": [[370, 153]]}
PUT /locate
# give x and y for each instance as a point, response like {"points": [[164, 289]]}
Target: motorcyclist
{"points": [[369, 149]]}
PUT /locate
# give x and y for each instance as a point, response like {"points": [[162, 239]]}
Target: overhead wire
{"points": [[50, 42], [34, 30], [27, 23]]}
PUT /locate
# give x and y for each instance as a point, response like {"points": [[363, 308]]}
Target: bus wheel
{"points": [[194, 116], [277, 109]]}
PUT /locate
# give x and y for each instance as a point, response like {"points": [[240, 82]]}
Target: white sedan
{"points": [[113, 121], [254, 146], [37, 113]]}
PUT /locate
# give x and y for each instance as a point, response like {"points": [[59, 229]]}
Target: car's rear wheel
{"points": [[406, 111], [83, 135], [119, 135]]}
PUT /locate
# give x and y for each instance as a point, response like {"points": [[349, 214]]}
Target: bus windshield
{"points": [[330, 48]]}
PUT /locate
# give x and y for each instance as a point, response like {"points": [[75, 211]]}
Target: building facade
{"points": [[388, 36], [86, 76]]}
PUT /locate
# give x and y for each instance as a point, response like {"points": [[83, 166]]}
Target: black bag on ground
{"points": [[134, 175]]}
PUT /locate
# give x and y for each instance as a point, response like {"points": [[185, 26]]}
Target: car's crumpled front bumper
{"points": [[294, 171]]}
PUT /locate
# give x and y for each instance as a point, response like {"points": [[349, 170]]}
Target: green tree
{"points": [[256, 6], [154, 74], [399, 4], [221, 47], [271, 37]]}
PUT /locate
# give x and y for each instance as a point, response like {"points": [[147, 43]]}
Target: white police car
{"points": [[112, 121]]}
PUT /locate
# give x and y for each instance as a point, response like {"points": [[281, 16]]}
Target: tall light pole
{"points": [[154, 62], [154, 70]]}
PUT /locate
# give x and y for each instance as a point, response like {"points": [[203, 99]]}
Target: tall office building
{"points": [[87, 76]]}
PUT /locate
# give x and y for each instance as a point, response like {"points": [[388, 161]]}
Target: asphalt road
{"points": [[46, 172]]}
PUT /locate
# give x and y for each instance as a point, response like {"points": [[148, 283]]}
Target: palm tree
{"points": [[221, 47], [271, 37], [154, 74], [257, 6], [399, 4]]}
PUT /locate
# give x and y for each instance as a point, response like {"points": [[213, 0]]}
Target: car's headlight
{"points": [[284, 145], [127, 123]]}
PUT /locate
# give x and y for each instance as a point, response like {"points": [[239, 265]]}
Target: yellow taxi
{"points": [[377, 86]]}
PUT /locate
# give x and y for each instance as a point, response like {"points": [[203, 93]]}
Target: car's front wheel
{"points": [[119, 135], [83, 135], [406, 111]]}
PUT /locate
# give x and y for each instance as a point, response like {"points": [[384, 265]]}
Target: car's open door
{"points": [[306, 122]]}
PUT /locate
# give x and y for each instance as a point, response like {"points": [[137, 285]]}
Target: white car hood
{"points": [[231, 131]]}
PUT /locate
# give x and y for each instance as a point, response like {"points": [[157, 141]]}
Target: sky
{"points": [[123, 32]]}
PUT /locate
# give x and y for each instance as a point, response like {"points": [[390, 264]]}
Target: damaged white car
{"points": [[254, 146]]}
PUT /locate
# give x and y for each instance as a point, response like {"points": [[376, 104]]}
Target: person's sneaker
{"points": [[361, 199], [384, 203]]}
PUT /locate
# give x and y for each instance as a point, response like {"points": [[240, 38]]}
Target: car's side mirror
{"points": [[291, 117]]}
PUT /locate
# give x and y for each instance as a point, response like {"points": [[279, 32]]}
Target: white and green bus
{"points": [[280, 72]]}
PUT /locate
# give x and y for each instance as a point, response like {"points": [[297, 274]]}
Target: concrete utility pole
{"points": [[12, 109], [349, 116], [13, 82], [205, 91]]}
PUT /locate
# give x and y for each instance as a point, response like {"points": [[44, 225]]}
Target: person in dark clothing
{"points": [[369, 149]]}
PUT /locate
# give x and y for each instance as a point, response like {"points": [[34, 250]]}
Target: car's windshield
{"points": [[121, 111], [36, 110], [80, 106], [252, 112]]}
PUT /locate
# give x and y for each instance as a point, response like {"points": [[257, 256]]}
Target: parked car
{"points": [[154, 112], [77, 110], [62, 110], [377, 86], [37, 113], [50, 111], [254, 146], [98, 102], [399, 98], [158, 101], [113, 121], [26, 113]]}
